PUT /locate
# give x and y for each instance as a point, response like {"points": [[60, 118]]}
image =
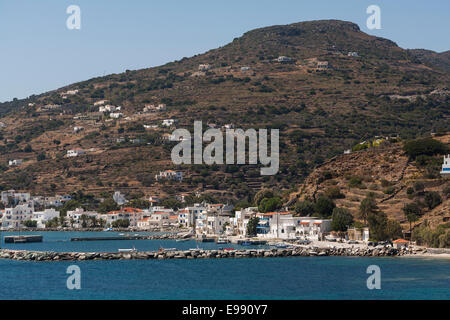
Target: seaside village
{"points": [[205, 221]]}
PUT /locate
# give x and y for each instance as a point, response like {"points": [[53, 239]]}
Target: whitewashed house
{"points": [[15, 216], [73, 218], [11, 196], [169, 175], [75, 152], [204, 67], [116, 115], [15, 162], [42, 217], [284, 59], [168, 122]]}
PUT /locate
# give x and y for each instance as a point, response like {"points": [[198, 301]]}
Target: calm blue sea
{"points": [[273, 278]]}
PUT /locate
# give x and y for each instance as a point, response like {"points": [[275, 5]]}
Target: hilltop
{"points": [[337, 87]]}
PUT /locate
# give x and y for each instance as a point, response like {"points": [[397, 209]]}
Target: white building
{"points": [[446, 166], [15, 162], [75, 152], [169, 175], [14, 217], [284, 59], [168, 122], [14, 197], [187, 216], [42, 217], [109, 108], [283, 225], [77, 129], [204, 67], [74, 218], [116, 115], [241, 219]]}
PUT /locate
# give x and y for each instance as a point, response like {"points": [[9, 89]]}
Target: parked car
{"points": [[352, 242]]}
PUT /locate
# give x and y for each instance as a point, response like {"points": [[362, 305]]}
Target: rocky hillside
{"points": [[323, 100], [386, 172]]}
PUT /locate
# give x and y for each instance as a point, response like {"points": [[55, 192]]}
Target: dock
{"points": [[22, 239]]}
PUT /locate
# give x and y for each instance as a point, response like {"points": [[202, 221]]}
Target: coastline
{"points": [[297, 251]]}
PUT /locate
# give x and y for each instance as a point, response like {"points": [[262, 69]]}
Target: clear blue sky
{"points": [[38, 53]]}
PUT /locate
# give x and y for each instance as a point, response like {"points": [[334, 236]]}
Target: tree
{"points": [[378, 226], [432, 199], [171, 203], [108, 205], [30, 223], [269, 204], [261, 194], [139, 203], [62, 221], [393, 229], [251, 226], [341, 219], [324, 206], [368, 205], [412, 213], [419, 186], [121, 223], [427, 146], [334, 193], [304, 208]]}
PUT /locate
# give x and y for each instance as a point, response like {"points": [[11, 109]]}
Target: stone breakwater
{"points": [[200, 254]]}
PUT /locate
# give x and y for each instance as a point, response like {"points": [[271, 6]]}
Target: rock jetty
{"points": [[201, 254]]}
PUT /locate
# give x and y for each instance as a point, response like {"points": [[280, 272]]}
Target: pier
{"points": [[23, 239]]}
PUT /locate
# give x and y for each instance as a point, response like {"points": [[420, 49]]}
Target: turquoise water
{"points": [[240, 278], [60, 241]]}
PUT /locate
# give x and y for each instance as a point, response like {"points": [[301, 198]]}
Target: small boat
{"points": [[121, 234], [228, 249], [181, 240], [107, 229], [128, 250], [195, 249], [222, 241], [246, 243], [281, 245]]}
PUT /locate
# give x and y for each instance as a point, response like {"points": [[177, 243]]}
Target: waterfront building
{"points": [[42, 217], [15, 216], [358, 234], [75, 217]]}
